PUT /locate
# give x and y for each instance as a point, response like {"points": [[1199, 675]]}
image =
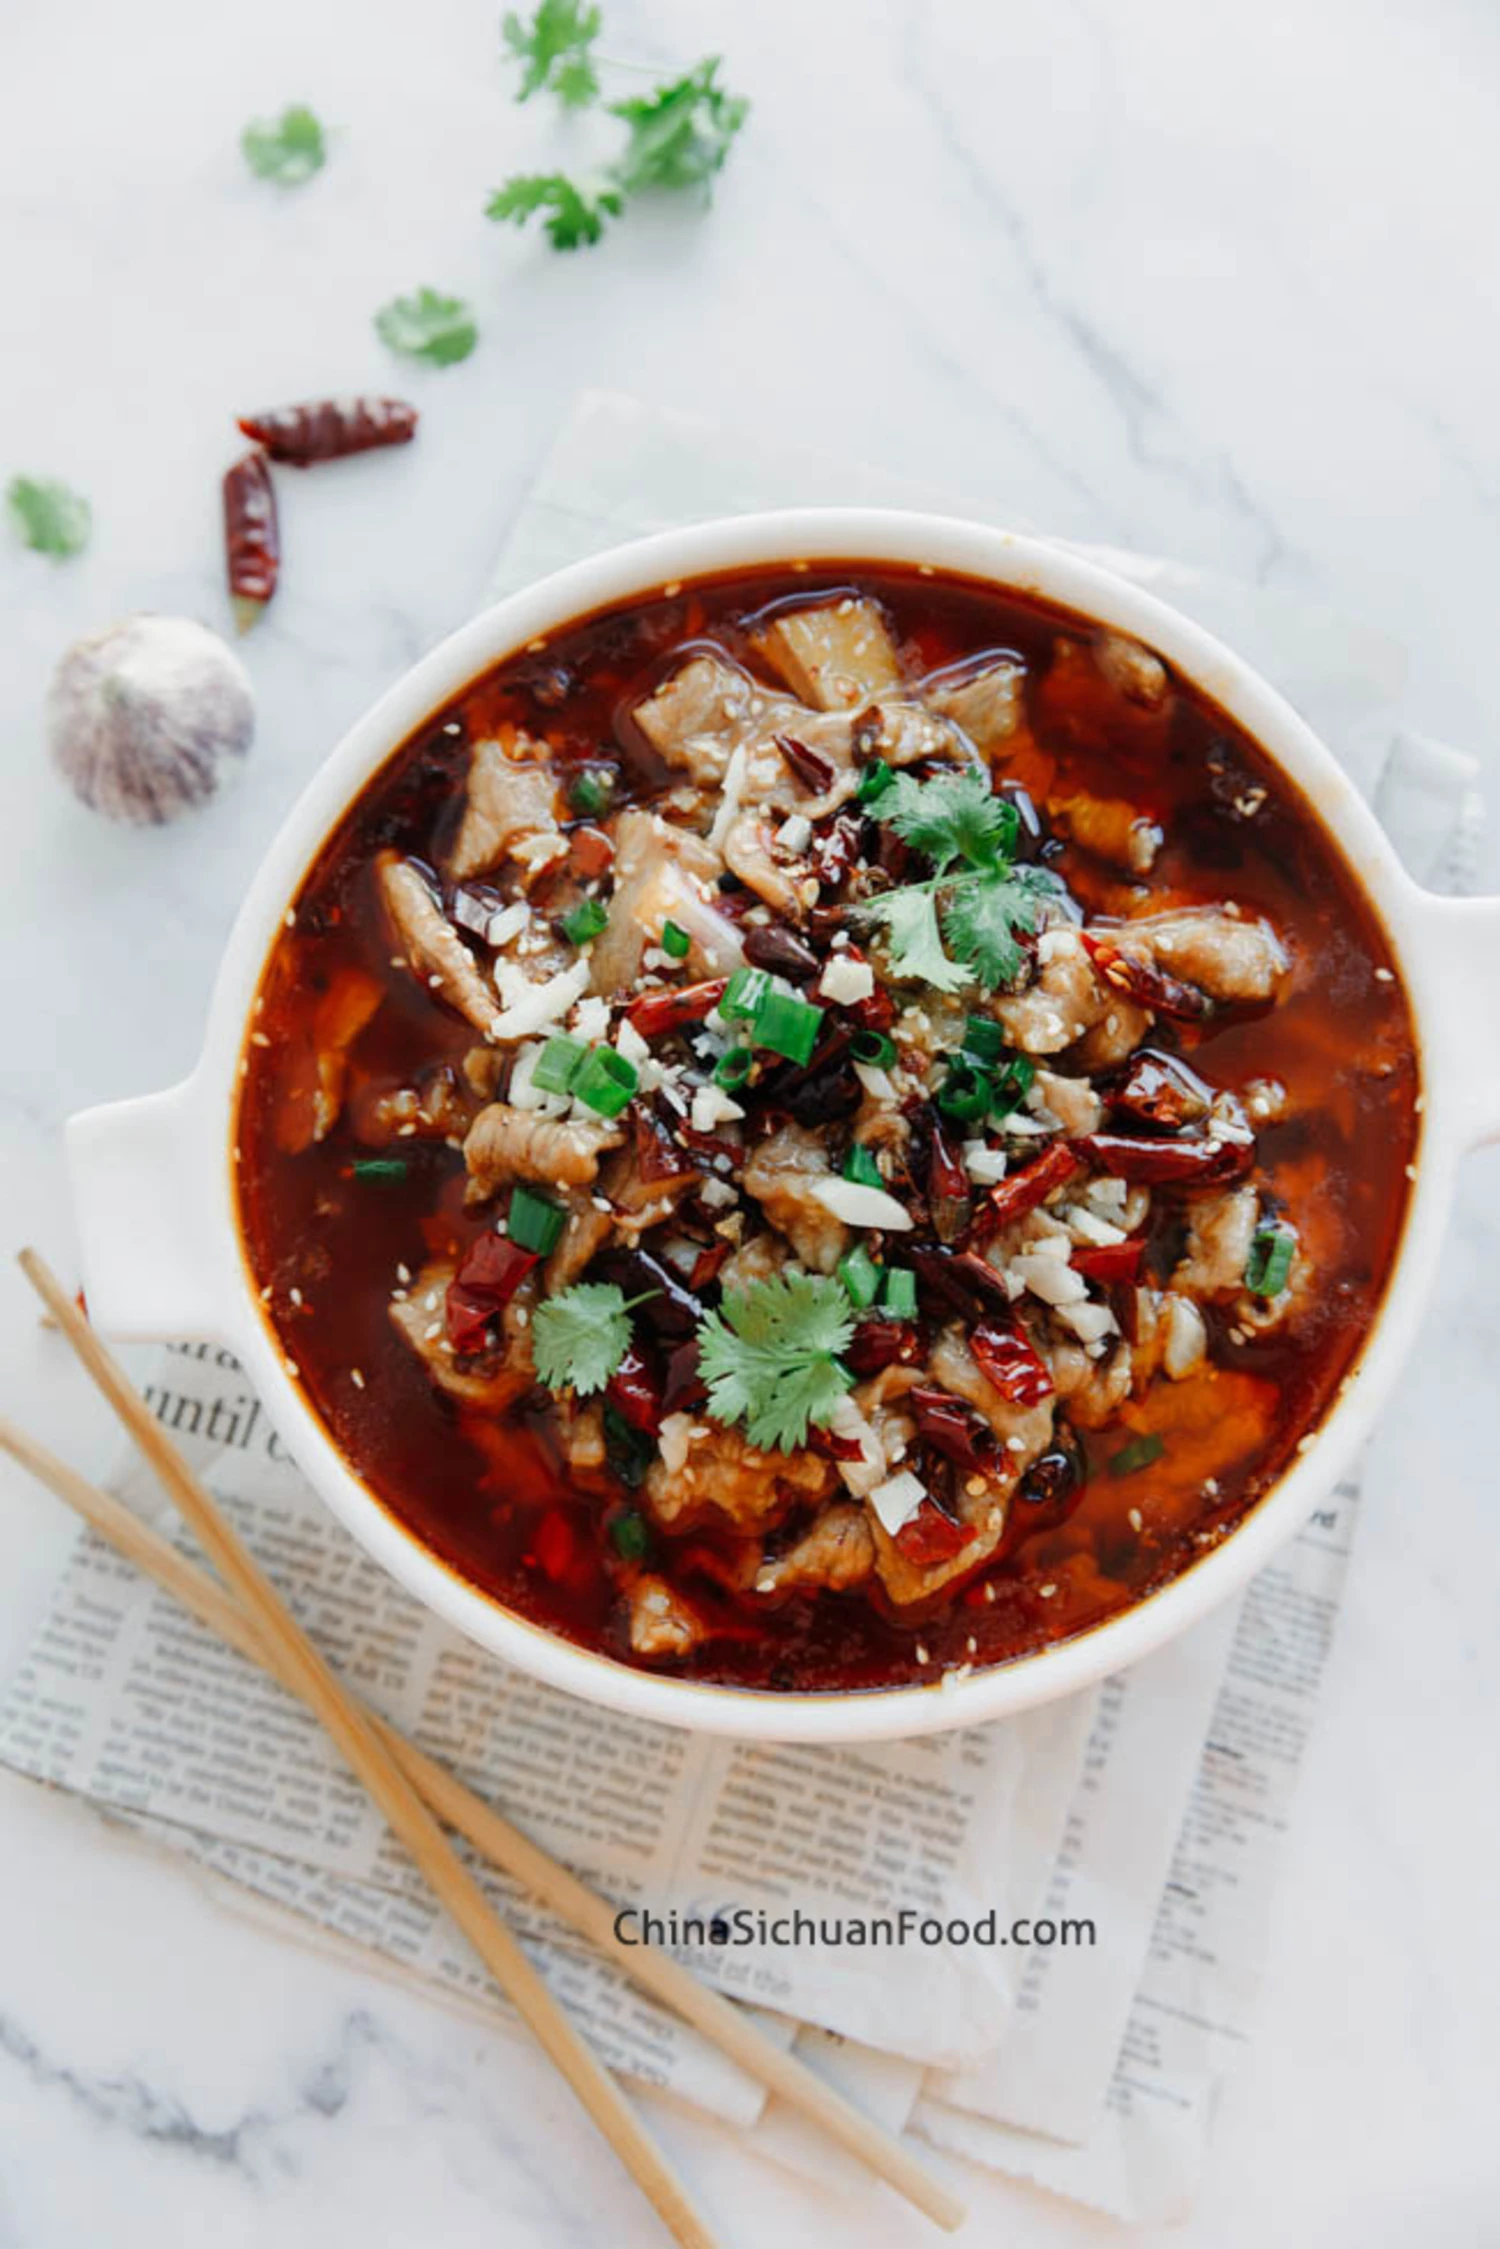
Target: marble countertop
{"points": [[1212, 282]]}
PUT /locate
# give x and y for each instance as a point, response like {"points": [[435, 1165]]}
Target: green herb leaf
{"points": [[769, 1358], [910, 922], [49, 517], [428, 326], [680, 133], [578, 210], [980, 915], [554, 46], [388, 1168], [953, 816], [287, 149], [1269, 1264], [579, 1337]]}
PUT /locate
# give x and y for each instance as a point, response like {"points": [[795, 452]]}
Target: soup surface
{"points": [[824, 1128]]}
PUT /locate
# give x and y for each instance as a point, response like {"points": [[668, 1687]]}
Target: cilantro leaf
{"points": [[769, 1358], [428, 326], [909, 918], [953, 816], [48, 517], [680, 133], [287, 149], [579, 208], [580, 1336], [980, 915], [554, 46]]}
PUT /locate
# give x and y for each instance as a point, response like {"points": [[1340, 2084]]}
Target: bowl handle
{"points": [[1461, 937], [151, 1242]]}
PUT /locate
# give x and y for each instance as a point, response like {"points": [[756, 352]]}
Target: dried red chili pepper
{"points": [[954, 1429], [1026, 1190], [684, 1387], [835, 847], [960, 1279], [657, 1155], [772, 945], [882, 1343], [1167, 1163], [656, 1013], [707, 1264], [635, 1393], [833, 1447], [950, 1191], [1160, 1092], [1111, 1264], [484, 1284], [812, 769], [1010, 1365], [878, 1012], [252, 539], [325, 429], [929, 1536], [590, 853], [1145, 983]]}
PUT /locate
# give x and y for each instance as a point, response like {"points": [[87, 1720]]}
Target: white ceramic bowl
{"points": [[152, 1177]]}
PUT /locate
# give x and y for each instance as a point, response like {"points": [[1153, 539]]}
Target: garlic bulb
{"points": [[149, 717]]}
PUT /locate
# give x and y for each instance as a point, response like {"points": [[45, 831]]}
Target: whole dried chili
{"points": [[812, 769], [954, 1429], [1159, 1092], [1010, 1365], [1027, 1190], [949, 1188], [772, 945], [325, 429], [1145, 983], [252, 538], [1168, 1163], [882, 1343], [835, 847], [484, 1284], [656, 1013]]}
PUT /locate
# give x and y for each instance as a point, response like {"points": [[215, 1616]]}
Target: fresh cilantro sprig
{"points": [[428, 325], [288, 149], [47, 516], [554, 46], [679, 137], [960, 926], [580, 1336], [770, 1358]]}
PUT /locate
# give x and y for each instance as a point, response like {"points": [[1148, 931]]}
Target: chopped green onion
{"points": [[591, 791], [534, 1221], [558, 1064], [861, 1277], [1139, 1453], [1272, 1248], [733, 1069], [1011, 1087], [629, 1452], [675, 941], [875, 1048], [983, 1038], [379, 1167], [861, 1167], [744, 994], [900, 1297], [876, 778], [606, 1081], [629, 1536], [585, 922], [965, 1094], [787, 1025]]}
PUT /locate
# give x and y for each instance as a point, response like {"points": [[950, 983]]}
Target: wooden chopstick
{"points": [[493, 1835], [301, 1667]]}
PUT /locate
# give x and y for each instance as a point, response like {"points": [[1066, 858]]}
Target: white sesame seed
{"points": [[292, 1368], [295, 1294], [356, 1378], [1385, 976], [922, 1655], [1411, 1171], [403, 1275], [1137, 1522], [1046, 1591]]}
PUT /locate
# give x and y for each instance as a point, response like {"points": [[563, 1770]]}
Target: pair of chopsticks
{"points": [[416, 1794]]}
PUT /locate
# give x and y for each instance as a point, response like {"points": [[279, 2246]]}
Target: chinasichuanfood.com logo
{"points": [[718, 1930]]}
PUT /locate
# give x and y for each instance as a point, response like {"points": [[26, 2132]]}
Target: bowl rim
{"points": [[821, 537]]}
